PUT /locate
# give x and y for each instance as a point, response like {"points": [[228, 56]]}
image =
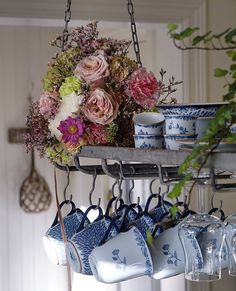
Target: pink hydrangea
{"points": [[72, 129], [93, 70], [48, 104], [144, 88], [100, 107]]}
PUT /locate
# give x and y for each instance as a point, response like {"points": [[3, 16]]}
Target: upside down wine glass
{"points": [[207, 232]]}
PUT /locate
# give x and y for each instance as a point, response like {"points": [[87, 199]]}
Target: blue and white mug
{"points": [[53, 240], [80, 246], [168, 254], [123, 257]]}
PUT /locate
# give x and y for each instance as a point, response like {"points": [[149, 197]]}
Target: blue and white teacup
{"points": [[144, 222], [180, 124], [148, 123], [168, 254], [53, 240], [149, 141], [80, 246], [123, 257]]}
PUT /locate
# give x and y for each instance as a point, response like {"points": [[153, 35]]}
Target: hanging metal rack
{"points": [[139, 164]]}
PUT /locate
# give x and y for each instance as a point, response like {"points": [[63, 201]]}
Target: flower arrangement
{"points": [[91, 92]]}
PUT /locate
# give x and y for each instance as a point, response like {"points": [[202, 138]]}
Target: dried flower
{"points": [[144, 88], [93, 70], [96, 134], [92, 90], [71, 85], [100, 107], [72, 129], [48, 104]]}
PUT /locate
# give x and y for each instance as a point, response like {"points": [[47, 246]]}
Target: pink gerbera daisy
{"points": [[72, 129]]}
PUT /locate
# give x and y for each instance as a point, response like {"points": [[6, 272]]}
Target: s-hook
{"points": [[67, 185], [131, 189], [92, 190]]}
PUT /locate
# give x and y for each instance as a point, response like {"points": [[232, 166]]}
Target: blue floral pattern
{"points": [[141, 242], [194, 243], [121, 263], [172, 256]]}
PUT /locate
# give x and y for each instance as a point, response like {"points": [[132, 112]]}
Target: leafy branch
{"points": [[219, 128]]}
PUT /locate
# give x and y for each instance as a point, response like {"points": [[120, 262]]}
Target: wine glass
{"points": [[207, 232]]}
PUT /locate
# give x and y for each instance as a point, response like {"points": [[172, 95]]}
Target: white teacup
{"points": [[150, 123], [168, 254], [123, 257], [149, 141], [180, 124]]}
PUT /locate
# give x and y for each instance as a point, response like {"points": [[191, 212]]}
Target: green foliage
{"points": [[219, 128], [218, 72]]}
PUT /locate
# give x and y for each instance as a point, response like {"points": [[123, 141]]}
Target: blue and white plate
{"points": [[196, 110]]}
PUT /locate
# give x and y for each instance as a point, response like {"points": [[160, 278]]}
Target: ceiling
{"points": [[110, 10]]}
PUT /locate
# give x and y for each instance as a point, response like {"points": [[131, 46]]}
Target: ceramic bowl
{"points": [[180, 124], [172, 141], [196, 110], [149, 141], [202, 125], [148, 123]]}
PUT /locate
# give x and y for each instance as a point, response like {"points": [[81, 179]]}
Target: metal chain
{"points": [[67, 19], [134, 32]]}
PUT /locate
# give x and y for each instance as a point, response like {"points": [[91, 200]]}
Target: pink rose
{"points": [[100, 107], [93, 69], [144, 88], [48, 104]]}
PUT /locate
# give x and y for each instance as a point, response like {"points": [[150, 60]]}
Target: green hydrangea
{"points": [[58, 154], [71, 84], [62, 66]]}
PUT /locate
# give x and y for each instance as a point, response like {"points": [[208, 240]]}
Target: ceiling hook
{"points": [[67, 184], [92, 190]]}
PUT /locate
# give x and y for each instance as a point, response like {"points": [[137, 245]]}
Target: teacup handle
{"points": [[113, 199], [92, 207], [149, 201], [73, 209], [112, 224], [128, 208]]}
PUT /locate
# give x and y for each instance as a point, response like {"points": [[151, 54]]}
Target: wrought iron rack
{"points": [[133, 164]]}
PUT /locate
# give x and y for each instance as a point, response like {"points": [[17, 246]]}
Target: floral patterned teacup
{"points": [[123, 257], [80, 246], [178, 124], [53, 240], [168, 254], [148, 123]]}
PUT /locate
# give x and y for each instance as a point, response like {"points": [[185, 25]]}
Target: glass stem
{"points": [[201, 207]]}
